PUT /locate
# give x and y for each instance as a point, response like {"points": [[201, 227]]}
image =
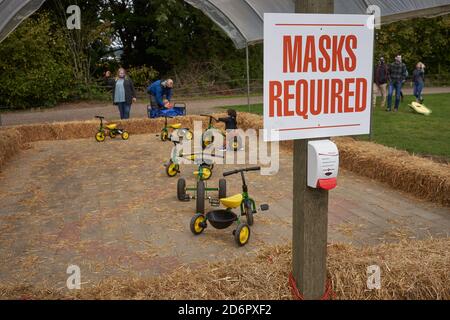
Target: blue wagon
{"points": [[179, 109]]}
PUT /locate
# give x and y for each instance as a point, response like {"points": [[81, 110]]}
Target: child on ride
{"points": [[230, 126]]}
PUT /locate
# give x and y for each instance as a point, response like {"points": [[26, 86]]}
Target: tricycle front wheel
{"points": [[100, 136], [198, 223], [249, 213], [242, 234], [164, 135], [172, 169]]}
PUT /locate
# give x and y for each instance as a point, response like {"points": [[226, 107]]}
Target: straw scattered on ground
{"points": [[409, 270]]}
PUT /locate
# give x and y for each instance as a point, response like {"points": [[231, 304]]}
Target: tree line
{"points": [[43, 63]]}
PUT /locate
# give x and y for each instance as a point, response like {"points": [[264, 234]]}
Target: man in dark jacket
{"points": [[159, 91], [397, 74], [380, 82]]}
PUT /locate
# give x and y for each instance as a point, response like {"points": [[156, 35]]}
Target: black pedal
{"points": [[186, 198], [214, 202], [264, 207]]}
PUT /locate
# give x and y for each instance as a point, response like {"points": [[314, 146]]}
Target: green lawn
{"points": [[425, 135]]}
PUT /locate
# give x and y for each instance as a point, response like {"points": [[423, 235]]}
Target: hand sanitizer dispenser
{"points": [[323, 164]]}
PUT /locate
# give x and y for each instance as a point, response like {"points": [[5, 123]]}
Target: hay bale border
{"points": [[421, 177]]}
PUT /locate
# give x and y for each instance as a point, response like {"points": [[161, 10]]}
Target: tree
{"points": [[33, 65], [425, 40], [88, 44], [165, 33]]}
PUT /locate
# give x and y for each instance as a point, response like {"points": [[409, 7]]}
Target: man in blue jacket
{"points": [[159, 91]]}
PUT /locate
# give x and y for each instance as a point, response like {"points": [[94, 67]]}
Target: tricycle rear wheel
{"points": [[125, 135], [181, 189], [222, 188], [200, 197]]}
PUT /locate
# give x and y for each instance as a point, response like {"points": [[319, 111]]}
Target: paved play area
{"points": [[110, 209]]}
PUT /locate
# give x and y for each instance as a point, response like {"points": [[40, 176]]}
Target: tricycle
{"points": [[111, 129], [223, 218], [208, 136], [168, 130]]}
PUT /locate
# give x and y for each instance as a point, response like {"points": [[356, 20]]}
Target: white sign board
{"points": [[317, 75]]}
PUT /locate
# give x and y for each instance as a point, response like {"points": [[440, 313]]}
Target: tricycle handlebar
{"points": [[100, 117], [209, 116], [228, 173]]}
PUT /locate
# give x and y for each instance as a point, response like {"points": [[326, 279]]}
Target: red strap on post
{"points": [[328, 295]]}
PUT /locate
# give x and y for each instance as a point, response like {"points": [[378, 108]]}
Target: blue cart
{"points": [[179, 109]]}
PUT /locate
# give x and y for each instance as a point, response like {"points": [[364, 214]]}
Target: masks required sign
{"points": [[317, 75]]}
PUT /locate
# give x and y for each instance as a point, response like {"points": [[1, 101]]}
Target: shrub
{"points": [[142, 76], [34, 66]]}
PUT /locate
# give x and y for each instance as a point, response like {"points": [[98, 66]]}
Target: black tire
{"points": [[164, 135], [200, 198], [125, 135], [172, 169], [243, 227], [249, 213], [197, 224], [206, 169], [100, 136], [207, 139], [222, 188], [235, 144], [181, 189], [188, 134]]}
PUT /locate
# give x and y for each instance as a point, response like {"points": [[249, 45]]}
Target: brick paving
{"points": [[110, 209]]}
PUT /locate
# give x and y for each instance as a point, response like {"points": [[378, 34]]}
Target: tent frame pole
{"points": [[248, 76]]}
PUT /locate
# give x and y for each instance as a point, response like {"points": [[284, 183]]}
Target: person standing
{"points": [[380, 83], [160, 93], [397, 74], [419, 81], [123, 93]]}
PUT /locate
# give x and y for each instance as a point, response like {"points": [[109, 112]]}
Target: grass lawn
{"points": [[424, 135]]}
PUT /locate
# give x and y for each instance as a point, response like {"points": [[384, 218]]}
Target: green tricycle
{"points": [[208, 137], [110, 129], [223, 218], [168, 130], [202, 174], [205, 167]]}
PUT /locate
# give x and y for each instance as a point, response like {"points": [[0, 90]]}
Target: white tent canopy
{"points": [[13, 12], [242, 20]]}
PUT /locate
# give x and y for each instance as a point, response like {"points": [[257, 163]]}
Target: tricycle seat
{"points": [[233, 201], [175, 126]]}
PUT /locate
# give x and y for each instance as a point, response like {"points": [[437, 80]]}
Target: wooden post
{"points": [[310, 206]]}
